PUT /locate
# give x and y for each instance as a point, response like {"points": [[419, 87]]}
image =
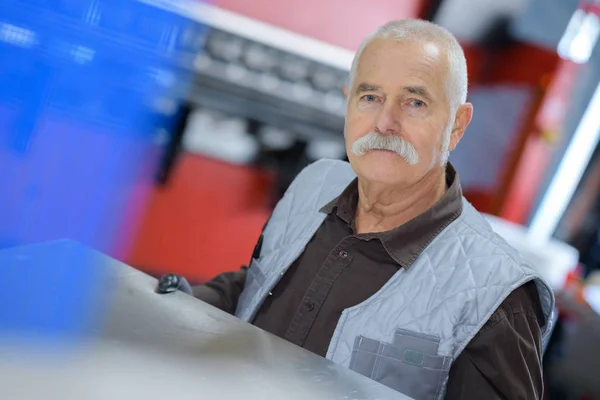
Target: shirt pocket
{"points": [[404, 366]]}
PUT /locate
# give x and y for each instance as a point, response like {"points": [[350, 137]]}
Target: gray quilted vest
{"points": [[407, 335]]}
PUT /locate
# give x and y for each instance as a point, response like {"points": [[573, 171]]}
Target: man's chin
{"points": [[387, 167]]}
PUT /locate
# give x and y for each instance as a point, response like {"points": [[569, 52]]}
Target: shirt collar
{"points": [[406, 242]]}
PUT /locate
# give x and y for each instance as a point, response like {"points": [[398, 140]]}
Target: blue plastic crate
{"points": [[57, 290], [80, 85]]}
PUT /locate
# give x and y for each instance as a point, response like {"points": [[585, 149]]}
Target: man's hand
{"points": [[222, 291], [171, 283]]}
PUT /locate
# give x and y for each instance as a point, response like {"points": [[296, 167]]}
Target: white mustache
{"points": [[377, 141]]}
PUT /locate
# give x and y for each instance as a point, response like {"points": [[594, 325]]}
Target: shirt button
{"points": [[310, 306], [343, 254]]}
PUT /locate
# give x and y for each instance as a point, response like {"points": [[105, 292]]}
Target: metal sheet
{"points": [[151, 346]]}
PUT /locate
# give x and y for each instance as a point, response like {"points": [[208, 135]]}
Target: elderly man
{"points": [[380, 265]]}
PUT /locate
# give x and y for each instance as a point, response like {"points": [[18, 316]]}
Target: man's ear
{"points": [[464, 114], [345, 90]]}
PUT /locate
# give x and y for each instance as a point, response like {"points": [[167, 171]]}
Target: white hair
{"points": [[424, 31]]}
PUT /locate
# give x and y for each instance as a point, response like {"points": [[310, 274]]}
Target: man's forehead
{"points": [[419, 61], [432, 50], [410, 48]]}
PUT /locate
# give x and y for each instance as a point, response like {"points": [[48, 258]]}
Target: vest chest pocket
{"points": [[409, 365]]}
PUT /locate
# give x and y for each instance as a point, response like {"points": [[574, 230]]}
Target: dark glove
{"points": [[172, 283]]}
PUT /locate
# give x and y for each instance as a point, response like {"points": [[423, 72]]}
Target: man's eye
{"points": [[417, 103], [370, 98]]}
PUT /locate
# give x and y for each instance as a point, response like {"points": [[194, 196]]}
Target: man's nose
{"points": [[388, 120]]}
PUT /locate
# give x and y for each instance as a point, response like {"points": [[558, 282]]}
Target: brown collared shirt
{"points": [[340, 269]]}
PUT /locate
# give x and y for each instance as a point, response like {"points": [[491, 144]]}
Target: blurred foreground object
{"points": [[89, 95], [53, 292], [140, 344]]}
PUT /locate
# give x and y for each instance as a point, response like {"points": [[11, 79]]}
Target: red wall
{"points": [[206, 221]]}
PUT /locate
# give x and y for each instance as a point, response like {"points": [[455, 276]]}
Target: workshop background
{"points": [[163, 132]]}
